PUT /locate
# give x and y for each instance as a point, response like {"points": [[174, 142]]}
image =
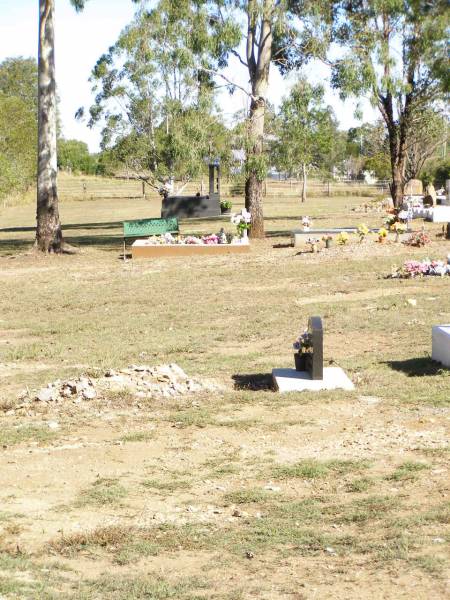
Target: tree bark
{"points": [[304, 182], [254, 183], [48, 225], [258, 68]]}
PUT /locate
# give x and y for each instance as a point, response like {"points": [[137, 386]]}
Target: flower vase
{"points": [[300, 361], [328, 244], [313, 248], [305, 227], [244, 237]]}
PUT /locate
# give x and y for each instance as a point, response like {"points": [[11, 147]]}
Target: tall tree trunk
{"points": [[259, 56], [48, 228], [304, 182], [254, 182]]}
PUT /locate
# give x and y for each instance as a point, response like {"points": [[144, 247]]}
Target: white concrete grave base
{"points": [[290, 380], [440, 344]]}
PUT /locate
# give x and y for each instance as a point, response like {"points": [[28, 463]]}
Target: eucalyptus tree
{"points": [[305, 133], [395, 51], [48, 224], [155, 91], [175, 53]]}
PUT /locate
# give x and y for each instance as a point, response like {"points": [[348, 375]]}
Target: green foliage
{"points": [[74, 155], [159, 74], [306, 129], [395, 52], [18, 124]]}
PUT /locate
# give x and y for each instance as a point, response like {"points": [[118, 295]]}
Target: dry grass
{"points": [[329, 485]]}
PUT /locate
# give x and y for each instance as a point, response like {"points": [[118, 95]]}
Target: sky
{"points": [[81, 38]]}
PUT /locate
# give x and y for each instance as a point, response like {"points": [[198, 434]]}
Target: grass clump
{"points": [[126, 543], [102, 492], [314, 469], [360, 485], [407, 471], [368, 509], [145, 588], [138, 436], [251, 496], [192, 418], [11, 436], [167, 486]]}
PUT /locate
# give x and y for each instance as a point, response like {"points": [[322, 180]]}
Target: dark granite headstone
{"points": [[311, 358], [196, 206]]}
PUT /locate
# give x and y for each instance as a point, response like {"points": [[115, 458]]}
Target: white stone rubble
{"points": [[142, 381]]}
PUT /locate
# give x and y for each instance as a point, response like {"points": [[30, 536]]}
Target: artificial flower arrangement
{"points": [[399, 229], [342, 238], [391, 221], [225, 206], [303, 346], [205, 240], [243, 222], [418, 239], [313, 243], [382, 234], [416, 268], [362, 231], [306, 222]]}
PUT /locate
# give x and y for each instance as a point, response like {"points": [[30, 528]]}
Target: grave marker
{"points": [[309, 373]]}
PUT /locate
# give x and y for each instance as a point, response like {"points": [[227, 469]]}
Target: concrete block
{"points": [[290, 380]]}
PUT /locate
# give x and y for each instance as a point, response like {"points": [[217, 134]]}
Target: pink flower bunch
{"points": [[210, 239], [415, 267], [191, 239]]}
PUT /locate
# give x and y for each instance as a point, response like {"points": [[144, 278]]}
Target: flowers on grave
{"points": [[206, 240], [303, 343], [306, 222], [399, 227], [225, 206], [416, 268], [210, 240], [382, 234], [362, 231], [418, 240], [313, 243], [243, 221], [191, 239], [342, 238], [391, 221]]}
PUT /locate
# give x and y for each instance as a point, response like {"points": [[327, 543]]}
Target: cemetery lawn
{"points": [[239, 493]]}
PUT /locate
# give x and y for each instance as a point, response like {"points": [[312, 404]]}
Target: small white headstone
{"points": [[441, 344]]}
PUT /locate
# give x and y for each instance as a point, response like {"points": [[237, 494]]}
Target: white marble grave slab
{"points": [[440, 344], [290, 380], [440, 214]]}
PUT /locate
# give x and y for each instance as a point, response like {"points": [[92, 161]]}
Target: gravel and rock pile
{"points": [[142, 381]]}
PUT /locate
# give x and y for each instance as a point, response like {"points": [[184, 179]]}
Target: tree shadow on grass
{"points": [[416, 367], [255, 382]]}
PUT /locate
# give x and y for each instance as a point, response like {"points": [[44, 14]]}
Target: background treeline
{"points": [[176, 133]]}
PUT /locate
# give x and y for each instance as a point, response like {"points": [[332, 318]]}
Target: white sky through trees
{"points": [[82, 38]]}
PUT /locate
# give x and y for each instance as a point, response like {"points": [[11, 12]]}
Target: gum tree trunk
{"points": [[304, 183], [48, 226], [259, 55]]}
